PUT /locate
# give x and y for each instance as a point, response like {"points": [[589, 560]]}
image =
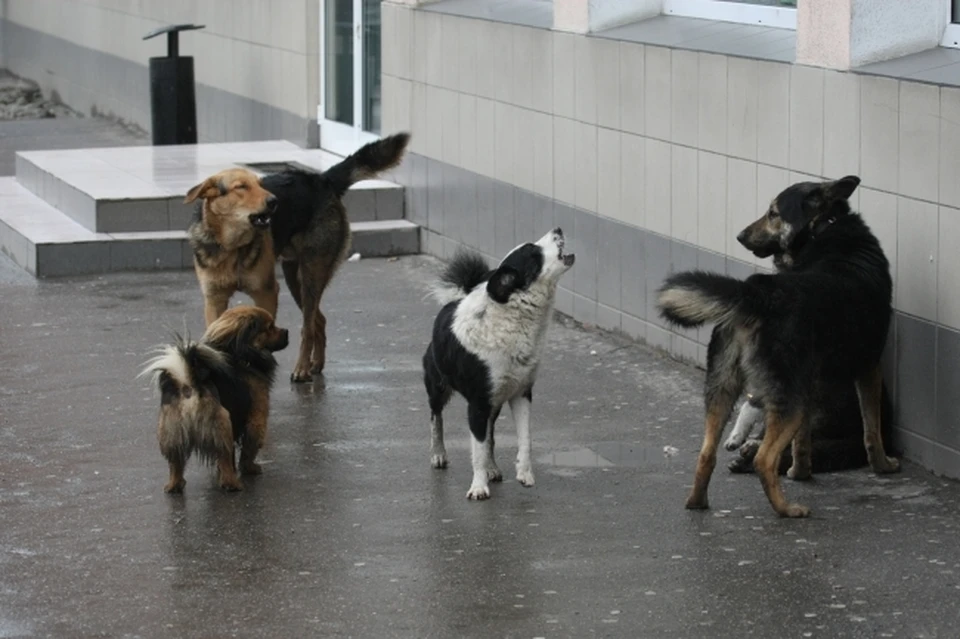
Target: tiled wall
{"points": [[256, 63], [654, 158]]}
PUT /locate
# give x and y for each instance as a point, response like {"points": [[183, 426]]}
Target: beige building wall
{"points": [[256, 60]]}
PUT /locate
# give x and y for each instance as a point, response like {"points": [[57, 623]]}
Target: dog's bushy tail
{"points": [[184, 364], [368, 162], [693, 298], [465, 271]]}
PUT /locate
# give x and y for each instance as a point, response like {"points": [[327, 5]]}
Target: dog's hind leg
{"points": [[438, 394], [223, 442], [870, 392], [779, 432], [313, 336], [493, 471], [723, 386], [291, 274], [255, 434], [480, 423], [520, 407]]}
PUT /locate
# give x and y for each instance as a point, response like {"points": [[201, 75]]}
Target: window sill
{"points": [[712, 36], [940, 65], [529, 13]]}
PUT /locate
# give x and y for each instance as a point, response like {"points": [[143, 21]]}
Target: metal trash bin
{"points": [[173, 101]]}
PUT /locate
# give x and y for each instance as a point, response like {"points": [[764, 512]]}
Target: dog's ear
{"points": [[841, 189], [209, 188], [504, 281]]}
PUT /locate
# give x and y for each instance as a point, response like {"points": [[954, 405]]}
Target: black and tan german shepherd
{"points": [[784, 336]]}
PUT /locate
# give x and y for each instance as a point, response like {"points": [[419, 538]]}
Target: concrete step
{"points": [[47, 243], [141, 189]]}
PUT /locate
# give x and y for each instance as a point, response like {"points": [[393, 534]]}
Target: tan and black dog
{"points": [[783, 336], [309, 232], [215, 394]]}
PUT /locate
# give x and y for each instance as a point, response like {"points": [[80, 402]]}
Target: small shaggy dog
{"points": [[215, 394]]}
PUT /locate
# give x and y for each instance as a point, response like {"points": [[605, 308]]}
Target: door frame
{"points": [[337, 137]]}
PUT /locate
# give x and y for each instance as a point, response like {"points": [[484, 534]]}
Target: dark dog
{"points": [[486, 345], [215, 394], [309, 231], [783, 337]]}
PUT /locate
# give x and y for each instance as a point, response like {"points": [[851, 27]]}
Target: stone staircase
{"points": [[91, 211]]}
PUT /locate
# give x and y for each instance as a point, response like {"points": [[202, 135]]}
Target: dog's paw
{"points": [[799, 474], [740, 466], [796, 511], [231, 485], [250, 468], [749, 449], [696, 502], [316, 367], [479, 492], [438, 460], [494, 473], [525, 476], [301, 375], [734, 441], [886, 465], [174, 487]]}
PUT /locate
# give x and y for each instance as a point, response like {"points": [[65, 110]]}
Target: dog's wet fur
{"points": [[243, 224], [215, 395], [486, 346], [783, 337]]}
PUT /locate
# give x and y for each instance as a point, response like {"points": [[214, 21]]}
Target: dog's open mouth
{"points": [[568, 260], [260, 220]]}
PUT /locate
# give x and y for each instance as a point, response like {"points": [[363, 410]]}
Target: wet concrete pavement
{"points": [[350, 533]]}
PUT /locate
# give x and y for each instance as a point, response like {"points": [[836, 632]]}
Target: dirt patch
{"points": [[21, 99]]}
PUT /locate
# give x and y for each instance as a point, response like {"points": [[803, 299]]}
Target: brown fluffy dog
{"points": [[309, 231], [215, 394]]}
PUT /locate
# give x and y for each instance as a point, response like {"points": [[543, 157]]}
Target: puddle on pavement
{"points": [[610, 455]]}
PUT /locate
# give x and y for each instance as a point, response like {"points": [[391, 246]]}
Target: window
{"points": [[951, 35], [768, 13]]}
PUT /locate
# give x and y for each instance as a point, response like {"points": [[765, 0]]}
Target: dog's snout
{"points": [[742, 236], [272, 203], [558, 232]]}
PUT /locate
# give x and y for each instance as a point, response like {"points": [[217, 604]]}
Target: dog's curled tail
{"points": [[461, 275], [692, 298], [184, 364], [367, 162]]}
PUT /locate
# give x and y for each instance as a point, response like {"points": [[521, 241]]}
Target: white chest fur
{"points": [[508, 338]]}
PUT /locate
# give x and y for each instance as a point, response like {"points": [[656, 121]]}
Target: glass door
{"points": [[349, 112]]}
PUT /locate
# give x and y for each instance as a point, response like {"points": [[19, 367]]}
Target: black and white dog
{"points": [[487, 342]]}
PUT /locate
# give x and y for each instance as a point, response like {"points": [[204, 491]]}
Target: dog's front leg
{"points": [[480, 450], [226, 465], [520, 407], [255, 434], [214, 305], [748, 417], [267, 297]]}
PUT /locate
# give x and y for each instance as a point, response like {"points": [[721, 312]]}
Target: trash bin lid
{"points": [[173, 28]]}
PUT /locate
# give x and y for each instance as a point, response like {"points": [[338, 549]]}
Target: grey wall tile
{"points": [[584, 244], [916, 364], [608, 318], [504, 219], [434, 196], [889, 360], [543, 219], [390, 202], [564, 301], [451, 211], [486, 215], [609, 263], [738, 269], [584, 310], [467, 202], [657, 256], [633, 276], [525, 204], [416, 191], [947, 430]]}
